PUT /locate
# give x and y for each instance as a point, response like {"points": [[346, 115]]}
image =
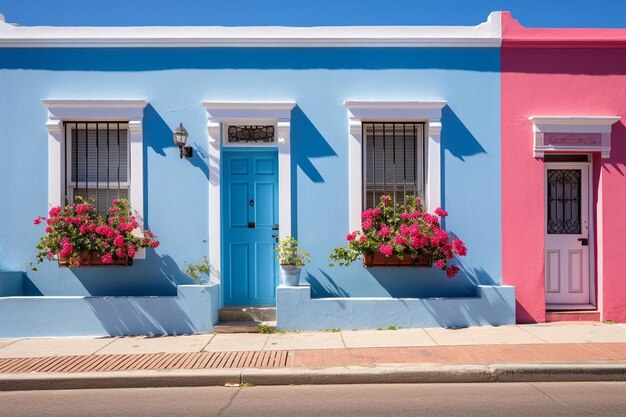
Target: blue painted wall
{"points": [[175, 81]]}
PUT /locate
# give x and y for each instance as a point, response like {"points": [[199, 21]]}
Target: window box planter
{"points": [[90, 259], [378, 260]]}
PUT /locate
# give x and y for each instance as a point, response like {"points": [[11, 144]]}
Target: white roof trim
{"points": [[486, 34]]}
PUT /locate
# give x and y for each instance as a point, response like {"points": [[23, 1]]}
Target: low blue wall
{"points": [[296, 310], [193, 310]]}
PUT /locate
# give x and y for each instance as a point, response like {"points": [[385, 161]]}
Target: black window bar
{"points": [[96, 156], [393, 161]]}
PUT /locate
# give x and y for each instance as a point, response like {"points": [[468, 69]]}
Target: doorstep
{"points": [[572, 315]]}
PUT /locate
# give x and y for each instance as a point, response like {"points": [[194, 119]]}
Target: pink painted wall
{"points": [[561, 72]]}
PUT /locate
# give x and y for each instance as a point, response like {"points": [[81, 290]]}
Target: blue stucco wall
{"points": [[175, 81]]}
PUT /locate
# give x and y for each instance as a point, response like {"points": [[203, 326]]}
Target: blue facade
{"points": [[175, 81]]}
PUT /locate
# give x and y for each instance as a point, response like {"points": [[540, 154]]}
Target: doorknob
{"points": [[583, 241], [276, 238]]}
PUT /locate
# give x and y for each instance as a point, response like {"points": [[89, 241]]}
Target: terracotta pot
{"points": [[378, 260], [90, 259]]}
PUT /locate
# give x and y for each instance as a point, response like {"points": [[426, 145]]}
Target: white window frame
{"points": [[428, 112], [72, 185], [222, 114], [130, 111]]}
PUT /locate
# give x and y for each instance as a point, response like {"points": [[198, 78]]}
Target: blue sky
{"points": [[531, 13]]}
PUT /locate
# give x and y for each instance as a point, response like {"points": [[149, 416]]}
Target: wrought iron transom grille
{"points": [[251, 133], [393, 161], [96, 162], [564, 201]]}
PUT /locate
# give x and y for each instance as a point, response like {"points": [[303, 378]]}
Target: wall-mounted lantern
{"points": [[180, 139]]}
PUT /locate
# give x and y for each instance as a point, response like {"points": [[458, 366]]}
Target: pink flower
{"points": [[113, 209], [76, 263], [385, 199], [399, 240], [38, 220], [367, 224], [441, 212], [351, 236], [118, 242], [452, 271], [154, 244], [115, 202], [384, 230], [66, 250], [386, 249], [440, 264], [107, 258], [81, 208], [83, 229], [459, 247], [131, 252], [377, 211], [362, 239], [54, 211], [50, 255], [48, 229]]}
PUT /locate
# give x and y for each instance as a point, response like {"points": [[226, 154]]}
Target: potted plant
{"points": [[401, 235], [78, 236], [291, 260], [201, 271]]}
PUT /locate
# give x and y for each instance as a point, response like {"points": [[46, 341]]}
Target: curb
{"points": [[303, 376]]}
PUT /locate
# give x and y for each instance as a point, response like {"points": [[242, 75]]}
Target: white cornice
{"points": [[486, 34], [98, 104], [228, 110], [395, 105], [575, 120], [578, 128], [64, 109]]}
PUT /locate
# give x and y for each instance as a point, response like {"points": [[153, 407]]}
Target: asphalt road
{"points": [[495, 399]]}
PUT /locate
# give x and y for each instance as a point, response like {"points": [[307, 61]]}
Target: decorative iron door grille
{"points": [[96, 162], [393, 161], [251, 134], [564, 195]]}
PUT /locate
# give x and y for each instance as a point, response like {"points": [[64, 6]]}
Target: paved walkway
{"points": [[540, 343]]}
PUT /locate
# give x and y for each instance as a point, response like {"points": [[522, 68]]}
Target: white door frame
{"points": [[222, 113], [591, 230]]}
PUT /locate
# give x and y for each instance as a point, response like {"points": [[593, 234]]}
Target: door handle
{"points": [[583, 241], [276, 238]]}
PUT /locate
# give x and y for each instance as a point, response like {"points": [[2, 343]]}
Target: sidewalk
{"points": [[582, 350]]}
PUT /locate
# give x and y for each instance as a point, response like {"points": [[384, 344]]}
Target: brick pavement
{"points": [[326, 358]]}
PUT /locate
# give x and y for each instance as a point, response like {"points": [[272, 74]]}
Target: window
{"points": [[387, 138], [84, 157], [393, 161], [96, 162]]}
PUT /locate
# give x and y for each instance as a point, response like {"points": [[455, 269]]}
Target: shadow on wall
{"points": [[158, 137], [448, 314], [139, 316], [159, 276], [150, 59], [456, 138], [307, 143], [459, 141], [585, 61], [326, 288], [618, 149]]}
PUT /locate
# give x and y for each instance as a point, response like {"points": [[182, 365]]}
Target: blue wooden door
{"points": [[249, 226]]}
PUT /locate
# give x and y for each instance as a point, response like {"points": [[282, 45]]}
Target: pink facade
{"points": [[552, 73]]}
